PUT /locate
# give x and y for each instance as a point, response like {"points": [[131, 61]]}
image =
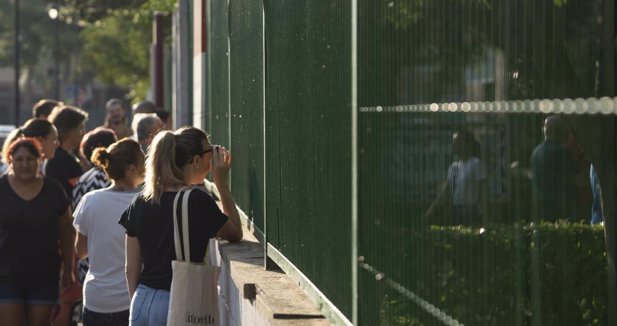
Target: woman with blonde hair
{"points": [[101, 239], [177, 159]]}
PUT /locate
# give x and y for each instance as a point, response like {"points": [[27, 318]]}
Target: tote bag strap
{"points": [[185, 228]]}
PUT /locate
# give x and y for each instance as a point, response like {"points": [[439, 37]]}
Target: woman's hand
{"points": [[68, 278], [221, 163]]}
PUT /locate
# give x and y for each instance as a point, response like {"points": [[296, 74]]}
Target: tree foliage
{"points": [[116, 50], [36, 33], [117, 38]]}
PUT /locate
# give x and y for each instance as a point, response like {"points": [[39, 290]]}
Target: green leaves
{"points": [[116, 39], [490, 278]]}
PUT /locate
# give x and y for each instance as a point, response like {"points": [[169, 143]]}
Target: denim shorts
{"points": [[149, 307], [92, 318], [29, 294]]}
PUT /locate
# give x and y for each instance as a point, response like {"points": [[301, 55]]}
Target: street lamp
{"points": [[53, 14]]}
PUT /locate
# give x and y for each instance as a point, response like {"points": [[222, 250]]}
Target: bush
{"points": [[540, 274]]}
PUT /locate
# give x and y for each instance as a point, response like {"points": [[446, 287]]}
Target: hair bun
{"points": [[100, 157], [103, 154]]}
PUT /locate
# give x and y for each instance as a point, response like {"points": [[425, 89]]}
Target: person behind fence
{"points": [[101, 239], [553, 173], [177, 159], [596, 191], [95, 178], [465, 187], [35, 237]]}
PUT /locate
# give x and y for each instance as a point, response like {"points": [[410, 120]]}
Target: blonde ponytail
{"points": [[161, 170]]}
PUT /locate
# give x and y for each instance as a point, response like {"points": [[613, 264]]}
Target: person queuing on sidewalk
{"points": [[35, 232], [101, 239], [177, 159], [42, 109], [144, 107], [146, 126], [167, 119], [95, 178], [43, 131], [115, 118], [66, 167]]}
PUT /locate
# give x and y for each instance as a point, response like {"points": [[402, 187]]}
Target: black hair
{"points": [[99, 137]]}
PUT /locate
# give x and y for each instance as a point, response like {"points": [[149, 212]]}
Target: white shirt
{"points": [[96, 216], [464, 177]]}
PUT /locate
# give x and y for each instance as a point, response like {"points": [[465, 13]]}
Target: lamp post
{"points": [[53, 14], [17, 59]]}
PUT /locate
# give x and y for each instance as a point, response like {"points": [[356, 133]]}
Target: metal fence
{"points": [[346, 119]]}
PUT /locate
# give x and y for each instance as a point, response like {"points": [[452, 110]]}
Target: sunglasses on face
{"points": [[207, 150]]}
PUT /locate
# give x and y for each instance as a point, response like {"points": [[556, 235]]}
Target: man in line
{"points": [[146, 126], [42, 109], [115, 118], [553, 173]]}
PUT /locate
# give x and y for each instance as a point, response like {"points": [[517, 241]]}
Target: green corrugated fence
{"points": [[447, 91]]}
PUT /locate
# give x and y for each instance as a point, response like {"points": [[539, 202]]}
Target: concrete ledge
{"points": [[278, 300]]}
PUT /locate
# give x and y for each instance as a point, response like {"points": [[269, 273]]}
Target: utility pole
{"points": [[53, 14], [17, 59]]}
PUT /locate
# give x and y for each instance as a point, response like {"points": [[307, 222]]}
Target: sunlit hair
{"points": [[32, 128], [37, 128], [10, 139], [143, 125], [31, 144], [43, 108], [99, 137], [116, 158], [144, 107], [67, 118], [169, 153]]}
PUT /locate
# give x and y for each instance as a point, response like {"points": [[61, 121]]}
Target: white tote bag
{"points": [[193, 299]]}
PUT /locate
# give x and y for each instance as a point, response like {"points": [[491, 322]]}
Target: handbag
{"points": [[193, 299]]}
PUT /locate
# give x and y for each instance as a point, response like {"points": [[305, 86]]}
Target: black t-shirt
{"points": [[152, 224], [29, 233], [65, 168]]}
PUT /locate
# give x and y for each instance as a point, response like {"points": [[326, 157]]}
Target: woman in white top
{"points": [[101, 238], [465, 186]]}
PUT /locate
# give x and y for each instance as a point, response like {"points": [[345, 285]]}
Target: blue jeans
{"points": [[149, 307]]}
